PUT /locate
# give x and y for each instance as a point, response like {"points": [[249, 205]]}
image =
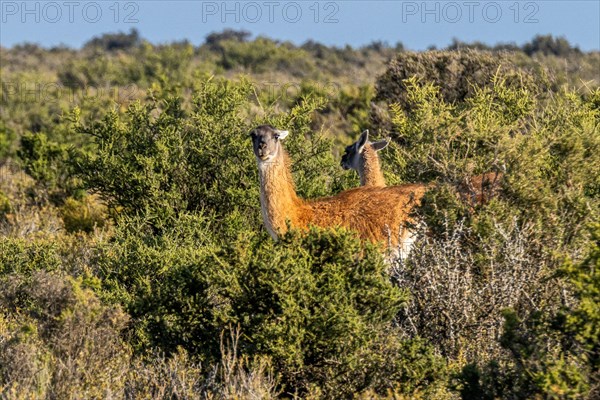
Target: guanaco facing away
{"points": [[378, 214], [362, 157]]}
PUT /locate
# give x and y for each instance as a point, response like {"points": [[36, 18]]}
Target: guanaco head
{"points": [[353, 154], [266, 142]]}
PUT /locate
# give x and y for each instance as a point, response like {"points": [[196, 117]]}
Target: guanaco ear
{"points": [[380, 144], [281, 134], [362, 140]]}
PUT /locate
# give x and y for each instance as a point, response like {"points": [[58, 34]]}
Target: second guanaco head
{"points": [[362, 157]]}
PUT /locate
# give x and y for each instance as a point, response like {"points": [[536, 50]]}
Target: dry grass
{"points": [[57, 341], [236, 377]]}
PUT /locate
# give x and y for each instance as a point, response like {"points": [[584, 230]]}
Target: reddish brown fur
{"points": [[378, 214], [478, 190]]}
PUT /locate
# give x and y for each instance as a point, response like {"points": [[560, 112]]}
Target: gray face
{"points": [[266, 142], [351, 157]]}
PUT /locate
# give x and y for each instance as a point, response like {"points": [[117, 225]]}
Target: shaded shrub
{"points": [[214, 39], [83, 215], [7, 141], [115, 41], [547, 44], [4, 204], [457, 74], [44, 160], [327, 314]]}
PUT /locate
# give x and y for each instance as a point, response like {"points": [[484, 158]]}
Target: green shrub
{"points": [[263, 54], [162, 166], [44, 160], [180, 161], [319, 305], [457, 74], [551, 174], [7, 141], [23, 256], [37, 154], [4, 204]]}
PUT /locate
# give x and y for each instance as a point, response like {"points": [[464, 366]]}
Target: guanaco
{"points": [[378, 214], [362, 157]]}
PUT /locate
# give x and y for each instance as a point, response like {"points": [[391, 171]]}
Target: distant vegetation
{"points": [[134, 263]]}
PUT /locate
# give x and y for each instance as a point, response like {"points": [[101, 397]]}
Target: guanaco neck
{"points": [[369, 168], [278, 199]]}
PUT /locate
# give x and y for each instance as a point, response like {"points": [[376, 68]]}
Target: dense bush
{"points": [[551, 175], [58, 340], [547, 44], [313, 304], [83, 215], [457, 74], [320, 306], [160, 281], [44, 160], [6, 141]]}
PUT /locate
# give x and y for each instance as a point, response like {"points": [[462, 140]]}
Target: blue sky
{"points": [[417, 24]]}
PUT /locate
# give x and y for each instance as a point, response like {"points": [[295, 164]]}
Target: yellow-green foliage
{"points": [[548, 150], [176, 290]]}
